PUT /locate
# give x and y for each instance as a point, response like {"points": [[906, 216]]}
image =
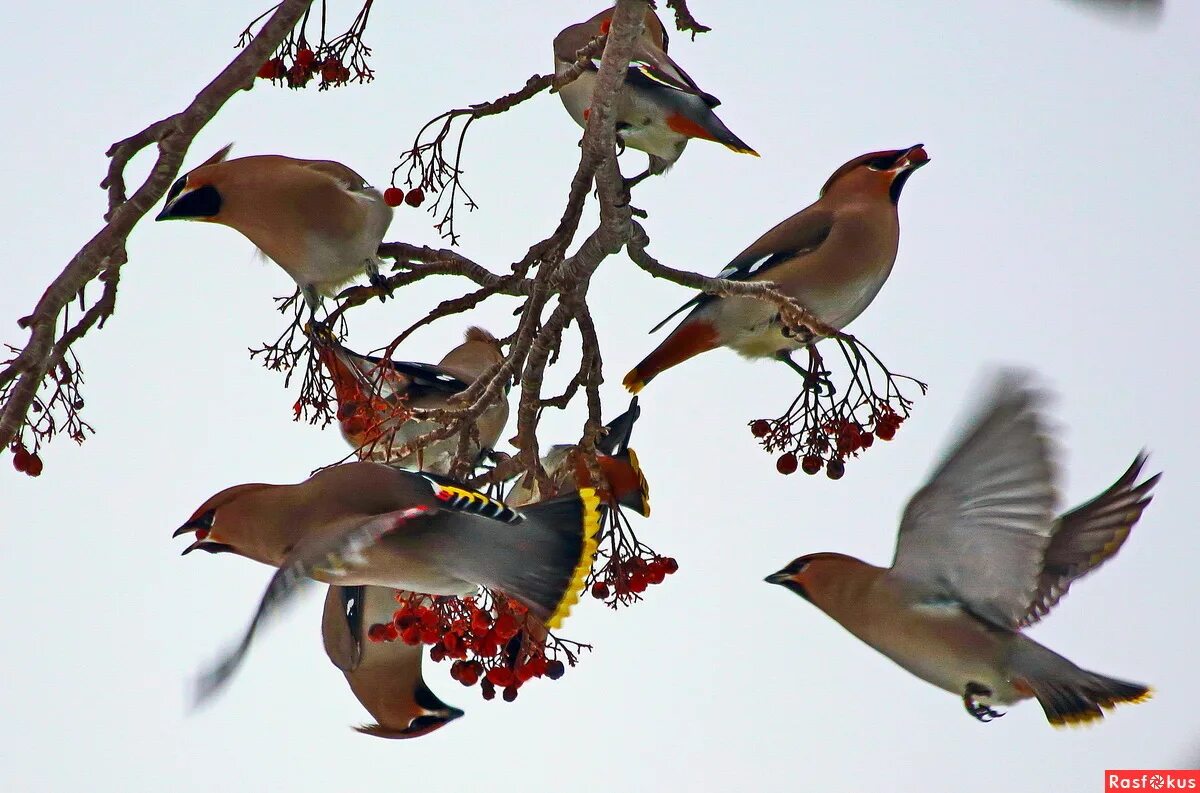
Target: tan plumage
{"points": [[384, 676], [980, 555], [317, 219], [374, 396], [371, 524], [833, 257], [660, 107]]}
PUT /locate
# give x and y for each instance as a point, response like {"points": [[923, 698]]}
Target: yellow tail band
{"points": [[633, 382], [643, 485], [591, 527]]}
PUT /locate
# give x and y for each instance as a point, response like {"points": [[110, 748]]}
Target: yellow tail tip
{"points": [[591, 527], [633, 382], [643, 485], [742, 150]]}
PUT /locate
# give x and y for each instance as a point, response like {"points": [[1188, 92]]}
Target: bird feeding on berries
{"points": [[376, 396], [317, 219], [366, 523], [385, 676], [832, 257], [660, 108], [980, 556]]}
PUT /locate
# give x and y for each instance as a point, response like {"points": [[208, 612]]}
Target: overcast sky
{"points": [[1055, 228]]}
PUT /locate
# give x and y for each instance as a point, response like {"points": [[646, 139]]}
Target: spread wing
{"points": [[978, 531], [796, 237], [1088, 536]]}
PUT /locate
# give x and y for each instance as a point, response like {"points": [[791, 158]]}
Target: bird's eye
{"points": [[205, 521], [881, 163]]}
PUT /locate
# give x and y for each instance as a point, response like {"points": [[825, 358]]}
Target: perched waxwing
{"points": [[980, 556], [623, 481], [369, 523], [833, 257], [660, 108], [374, 395], [384, 676], [317, 219]]}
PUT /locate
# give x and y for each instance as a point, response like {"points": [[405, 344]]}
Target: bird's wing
{"points": [[796, 237], [1088, 536], [342, 626], [348, 178], [978, 530], [410, 379]]}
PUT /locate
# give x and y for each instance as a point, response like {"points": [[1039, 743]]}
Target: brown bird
{"points": [[833, 257], [375, 396], [317, 219], [660, 108], [384, 676], [979, 557], [368, 523]]}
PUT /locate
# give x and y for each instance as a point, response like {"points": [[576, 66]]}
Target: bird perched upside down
{"points": [[376, 396], [660, 107], [317, 219], [980, 556], [371, 524], [833, 257], [384, 676]]}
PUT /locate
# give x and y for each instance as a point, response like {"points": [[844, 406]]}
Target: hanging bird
{"points": [[833, 257], [623, 481], [317, 219], [368, 523], [660, 108], [384, 676], [979, 557], [375, 396]]}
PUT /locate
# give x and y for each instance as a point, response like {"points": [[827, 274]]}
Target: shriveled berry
{"points": [[415, 197], [272, 69], [835, 469], [786, 464], [393, 196], [555, 670], [489, 690], [811, 464], [306, 57], [600, 590], [331, 70], [510, 693], [760, 428]]}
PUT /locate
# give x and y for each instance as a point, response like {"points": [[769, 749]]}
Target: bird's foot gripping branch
{"points": [[826, 423], [490, 640]]}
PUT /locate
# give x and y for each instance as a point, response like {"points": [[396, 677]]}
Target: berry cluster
{"points": [[493, 640], [822, 427], [25, 461], [624, 568], [305, 66], [336, 61]]}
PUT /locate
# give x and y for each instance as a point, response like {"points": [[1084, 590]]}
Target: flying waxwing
{"points": [[317, 219], [385, 676], [374, 395], [979, 557], [624, 483], [660, 108], [833, 257], [369, 523]]}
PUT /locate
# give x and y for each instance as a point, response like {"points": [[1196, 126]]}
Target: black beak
{"points": [[778, 578]]}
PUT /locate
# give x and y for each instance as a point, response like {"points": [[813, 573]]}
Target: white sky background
{"points": [[1055, 228]]}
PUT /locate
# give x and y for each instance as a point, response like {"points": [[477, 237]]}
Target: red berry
{"points": [[411, 635], [306, 57], [656, 574], [468, 677], [555, 670], [524, 672], [430, 636], [429, 619], [456, 669], [437, 653], [393, 196], [670, 565], [506, 626], [510, 693], [21, 457], [885, 431], [415, 197], [390, 634], [835, 469], [500, 676], [811, 464], [638, 582], [489, 691], [451, 642], [786, 464], [760, 428], [375, 633], [600, 590], [866, 440], [480, 622], [331, 70]]}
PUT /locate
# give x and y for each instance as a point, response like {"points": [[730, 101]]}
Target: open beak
{"points": [[914, 158]]}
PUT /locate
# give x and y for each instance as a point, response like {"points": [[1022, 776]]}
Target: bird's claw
{"points": [[977, 709]]}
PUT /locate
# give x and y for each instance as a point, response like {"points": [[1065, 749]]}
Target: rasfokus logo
{"points": [[1151, 780]]}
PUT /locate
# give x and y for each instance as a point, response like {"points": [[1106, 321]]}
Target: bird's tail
{"points": [[708, 127], [688, 340], [627, 484], [1082, 697], [549, 556]]}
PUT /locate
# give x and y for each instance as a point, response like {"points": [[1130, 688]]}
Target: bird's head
{"points": [[808, 574], [877, 174], [428, 714], [196, 195], [217, 524]]}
